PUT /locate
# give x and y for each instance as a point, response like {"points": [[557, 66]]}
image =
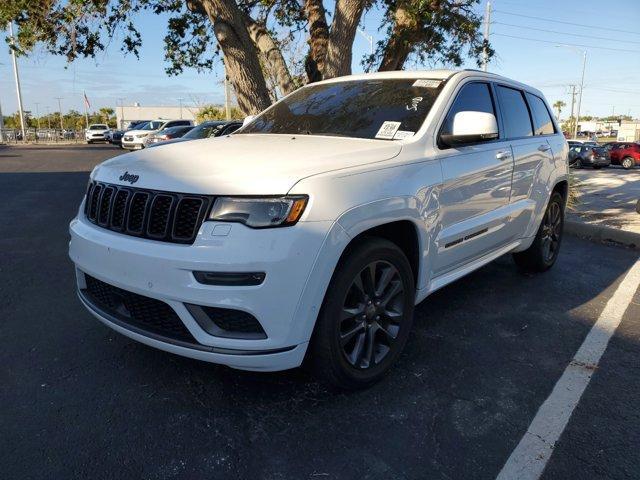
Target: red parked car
{"points": [[626, 154]]}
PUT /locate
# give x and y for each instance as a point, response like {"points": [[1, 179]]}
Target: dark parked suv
{"points": [[588, 156], [626, 154]]}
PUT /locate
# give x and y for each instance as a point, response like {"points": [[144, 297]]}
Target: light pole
{"points": [[60, 111], [121, 100], [1, 124], [17, 79], [180, 101], [584, 67], [37, 114]]}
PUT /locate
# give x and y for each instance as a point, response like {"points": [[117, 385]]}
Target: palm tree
{"points": [[559, 105], [106, 114]]}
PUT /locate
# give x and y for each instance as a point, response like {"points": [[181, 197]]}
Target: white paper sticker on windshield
{"points": [[427, 83], [401, 134], [388, 130]]}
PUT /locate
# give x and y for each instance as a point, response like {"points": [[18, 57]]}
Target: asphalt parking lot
{"points": [[80, 401]]}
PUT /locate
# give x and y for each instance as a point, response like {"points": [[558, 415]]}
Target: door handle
{"points": [[544, 148], [503, 155]]}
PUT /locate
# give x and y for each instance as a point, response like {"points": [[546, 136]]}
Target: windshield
{"points": [[203, 131], [383, 109], [150, 126], [98, 127]]}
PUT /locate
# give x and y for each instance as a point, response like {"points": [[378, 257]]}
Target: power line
{"points": [[618, 91], [599, 27], [564, 33], [570, 44]]}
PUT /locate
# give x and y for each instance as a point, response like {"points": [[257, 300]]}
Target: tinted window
{"points": [[356, 108], [541, 118], [473, 97], [204, 130], [515, 113]]}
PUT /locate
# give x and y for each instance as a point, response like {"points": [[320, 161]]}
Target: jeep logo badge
{"points": [[127, 177]]}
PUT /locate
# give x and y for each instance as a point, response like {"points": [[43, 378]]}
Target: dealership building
{"points": [[125, 114]]}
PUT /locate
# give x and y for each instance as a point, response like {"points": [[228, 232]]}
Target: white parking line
{"points": [[530, 457]]}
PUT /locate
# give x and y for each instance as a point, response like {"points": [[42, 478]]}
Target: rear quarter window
{"points": [[542, 121]]}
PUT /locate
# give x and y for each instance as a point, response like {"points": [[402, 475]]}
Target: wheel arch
{"points": [[403, 233]]}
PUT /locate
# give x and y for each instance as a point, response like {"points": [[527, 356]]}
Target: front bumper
{"points": [[95, 137], [132, 144], [597, 162], [163, 271]]}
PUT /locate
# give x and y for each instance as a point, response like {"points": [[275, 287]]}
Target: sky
{"points": [[524, 34]]}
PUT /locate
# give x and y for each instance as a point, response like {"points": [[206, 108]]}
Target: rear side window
{"points": [[541, 118], [473, 97], [515, 113]]}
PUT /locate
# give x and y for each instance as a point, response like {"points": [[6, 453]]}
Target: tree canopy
{"points": [[252, 37]]}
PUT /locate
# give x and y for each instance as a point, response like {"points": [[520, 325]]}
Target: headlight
{"points": [[259, 212]]}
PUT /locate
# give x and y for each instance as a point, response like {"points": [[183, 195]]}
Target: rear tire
{"points": [[365, 317], [628, 163], [543, 252]]}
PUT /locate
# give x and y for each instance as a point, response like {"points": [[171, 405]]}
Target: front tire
{"points": [[366, 316], [543, 252], [628, 163]]}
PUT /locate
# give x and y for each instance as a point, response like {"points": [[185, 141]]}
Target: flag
{"points": [[86, 100]]}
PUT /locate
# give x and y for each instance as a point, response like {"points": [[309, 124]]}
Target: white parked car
{"points": [[135, 139], [96, 132], [315, 229]]}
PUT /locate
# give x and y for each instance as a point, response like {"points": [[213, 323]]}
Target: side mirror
{"points": [[248, 119], [471, 127]]}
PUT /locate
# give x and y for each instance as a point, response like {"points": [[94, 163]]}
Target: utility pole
{"points": [[17, 79], [180, 101], [487, 23], [37, 114], [573, 102], [227, 100], [60, 111]]}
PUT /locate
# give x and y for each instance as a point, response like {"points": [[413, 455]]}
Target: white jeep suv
{"points": [[315, 229]]}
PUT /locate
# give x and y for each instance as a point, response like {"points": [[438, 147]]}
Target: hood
{"points": [[138, 132], [246, 164]]}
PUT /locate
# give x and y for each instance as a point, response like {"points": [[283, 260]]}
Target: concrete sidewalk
{"points": [[606, 207]]}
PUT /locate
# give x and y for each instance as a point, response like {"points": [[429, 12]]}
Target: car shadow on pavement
{"points": [[484, 354]]}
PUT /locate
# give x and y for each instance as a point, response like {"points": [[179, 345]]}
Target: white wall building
{"points": [[126, 114], [629, 132]]}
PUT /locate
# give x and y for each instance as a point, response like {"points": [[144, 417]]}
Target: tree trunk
{"points": [[319, 38], [400, 42], [272, 53], [240, 55], [343, 31]]}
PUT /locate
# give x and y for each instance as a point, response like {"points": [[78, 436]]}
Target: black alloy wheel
{"points": [[371, 314], [551, 231], [366, 315], [543, 252]]}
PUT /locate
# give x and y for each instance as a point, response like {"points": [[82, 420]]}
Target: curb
{"points": [[598, 233]]}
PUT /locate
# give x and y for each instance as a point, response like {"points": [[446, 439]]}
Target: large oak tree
{"points": [[247, 35]]}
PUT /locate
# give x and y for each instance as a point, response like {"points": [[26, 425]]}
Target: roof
{"points": [[441, 74]]}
